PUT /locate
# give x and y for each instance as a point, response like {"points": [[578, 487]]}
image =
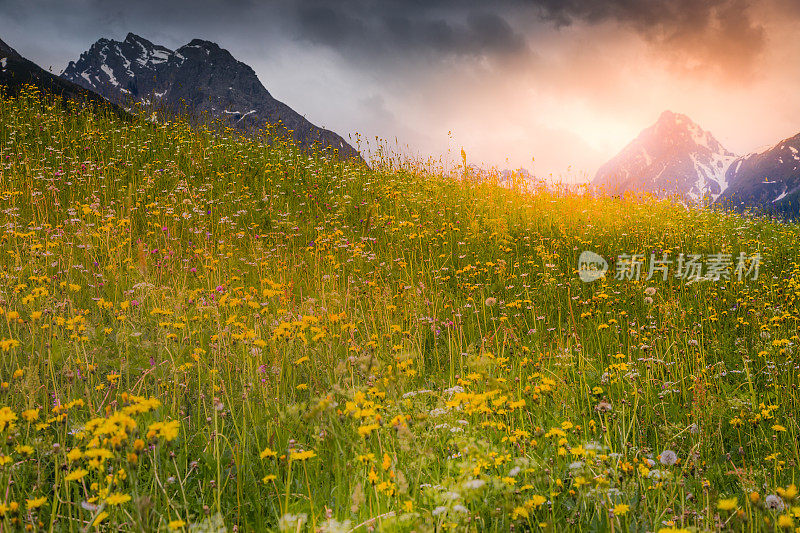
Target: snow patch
{"points": [[3, 63], [111, 79], [142, 46], [714, 172], [722, 173], [127, 66], [159, 56], [248, 113], [781, 196], [238, 113], [154, 56], [206, 50]]}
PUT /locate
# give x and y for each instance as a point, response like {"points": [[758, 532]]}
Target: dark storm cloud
{"points": [[695, 34], [384, 29], [708, 33], [643, 14]]}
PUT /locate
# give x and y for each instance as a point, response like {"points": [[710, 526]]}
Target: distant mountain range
{"points": [[768, 180], [16, 72], [676, 157], [199, 77], [673, 157]]}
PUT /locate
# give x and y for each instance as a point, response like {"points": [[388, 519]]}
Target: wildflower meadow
{"points": [[201, 331]]}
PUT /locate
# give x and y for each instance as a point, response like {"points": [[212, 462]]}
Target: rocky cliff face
{"points": [[766, 181], [16, 72], [199, 77]]}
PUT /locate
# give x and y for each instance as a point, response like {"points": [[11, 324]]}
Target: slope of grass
{"points": [[200, 332]]}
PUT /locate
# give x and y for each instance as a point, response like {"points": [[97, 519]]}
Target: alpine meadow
{"points": [[203, 331]]}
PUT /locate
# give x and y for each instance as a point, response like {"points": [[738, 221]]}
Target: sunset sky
{"points": [[568, 83]]}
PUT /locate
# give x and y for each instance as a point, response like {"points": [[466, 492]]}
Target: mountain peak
{"points": [[668, 115], [201, 43], [132, 38], [675, 119], [674, 156], [199, 76]]}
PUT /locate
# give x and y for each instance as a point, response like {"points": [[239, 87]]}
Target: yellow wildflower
{"points": [[35, 503], [76, 475], [268, 453], [621, 509], [117, 498], [302, 455]]}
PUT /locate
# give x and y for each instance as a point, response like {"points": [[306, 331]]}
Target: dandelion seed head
{"points": [[668, 458]]}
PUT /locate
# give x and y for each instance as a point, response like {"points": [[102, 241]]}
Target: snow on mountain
{"points": [[673, 157], [766, 181], [200, 77]]}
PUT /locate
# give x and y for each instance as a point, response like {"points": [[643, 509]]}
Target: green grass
{"points": [[199, 330]]}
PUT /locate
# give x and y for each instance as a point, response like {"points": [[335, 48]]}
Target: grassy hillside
{"points": [[199, 331]]}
